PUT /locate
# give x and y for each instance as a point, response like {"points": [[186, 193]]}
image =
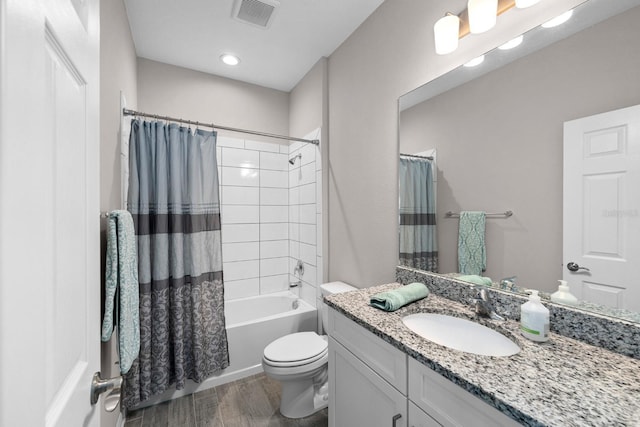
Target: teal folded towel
{"points": [[472, 258], [475, 279], [121, 279], [393, 300]]}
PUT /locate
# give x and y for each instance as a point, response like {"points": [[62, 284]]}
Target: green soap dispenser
{"points": [[563, 295]]}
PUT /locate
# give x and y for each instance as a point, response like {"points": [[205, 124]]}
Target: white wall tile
{"points": [[241, 270], [284, 148], [234, 289], [240, 214], [309, 275], [294, 196], [218, 156], [308, 253], [319, 234], [274, 161], [262, 146], [274, 249], [308, 234], [274, 266], [307, 193], [270, 284], [295, 146], [294, 214], [226, 141], [294, 249], [274, 196], [308, 214], [307, 293], [318, 191], [308, 154], [274, 214], [319, 266], [240, 158], [244, 251], [277, 179], [294, 231], [295, 175], [232, 195], [308, 174], [240, 176], [318, 159], [240, 233], [276, 231]]}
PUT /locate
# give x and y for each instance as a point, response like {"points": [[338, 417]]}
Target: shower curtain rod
{"points": [[417, 157], [127, 112]]}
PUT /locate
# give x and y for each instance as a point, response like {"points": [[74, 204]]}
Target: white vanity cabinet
{"points": [[372, 383]]}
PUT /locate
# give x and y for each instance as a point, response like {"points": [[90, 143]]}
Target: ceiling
{"points": [[194, 33]]}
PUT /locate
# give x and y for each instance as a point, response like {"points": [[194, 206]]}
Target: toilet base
{"points": [[303, 398]]}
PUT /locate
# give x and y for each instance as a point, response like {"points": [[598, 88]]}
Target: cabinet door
{"points": [[419, 418], [360, 397]]}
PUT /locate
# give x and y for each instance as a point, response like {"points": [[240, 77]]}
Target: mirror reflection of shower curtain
{"points": [[173, 198], [418, 240]]}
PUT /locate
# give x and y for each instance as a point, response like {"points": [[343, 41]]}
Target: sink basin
{"points": [[460, 334]]}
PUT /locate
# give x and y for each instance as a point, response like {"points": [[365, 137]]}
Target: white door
{"points": [[601, 220], [49, 211]]}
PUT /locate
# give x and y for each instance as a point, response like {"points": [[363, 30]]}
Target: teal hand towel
{"points": [[475, 279], [472, 258], [393, 300], [121, 278]]}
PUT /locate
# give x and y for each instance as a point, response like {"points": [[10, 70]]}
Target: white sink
{"points": [[460, 334]]}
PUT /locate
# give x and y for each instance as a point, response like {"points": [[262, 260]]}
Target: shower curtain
{"points": [[418, 243], [173, 198]]}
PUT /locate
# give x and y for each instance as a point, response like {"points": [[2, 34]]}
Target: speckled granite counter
{"points": [[563, 382]]}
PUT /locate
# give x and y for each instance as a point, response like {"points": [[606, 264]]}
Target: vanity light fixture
{"points": [[229, 59], [478, 17], [482, 15], [558, 20], [475, 61], [512, 43], [445, 31]]}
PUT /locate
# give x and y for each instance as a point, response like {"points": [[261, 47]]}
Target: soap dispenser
{"points": [[534, 319], [563, 295]]}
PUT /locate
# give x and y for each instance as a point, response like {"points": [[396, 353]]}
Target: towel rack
{"points": [[505, 214]]}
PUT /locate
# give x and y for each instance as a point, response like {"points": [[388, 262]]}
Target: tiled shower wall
{"points": [[269, 216]]}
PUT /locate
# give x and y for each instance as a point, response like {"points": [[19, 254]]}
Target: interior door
{"points": [[601, 220], [49, 211]]}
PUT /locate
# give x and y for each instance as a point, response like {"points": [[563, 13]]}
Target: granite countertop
{"points": [[562, 382]]}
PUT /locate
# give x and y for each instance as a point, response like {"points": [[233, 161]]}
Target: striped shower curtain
{"points": [[418, 243], [173, 198]]}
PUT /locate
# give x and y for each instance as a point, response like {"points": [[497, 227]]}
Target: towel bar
{"points": [[505, 214]]}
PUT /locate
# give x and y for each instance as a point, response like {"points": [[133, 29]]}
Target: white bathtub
{"points": [[252, 323]]}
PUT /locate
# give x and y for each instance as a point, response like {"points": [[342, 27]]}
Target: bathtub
{"points": [[252, 323]]}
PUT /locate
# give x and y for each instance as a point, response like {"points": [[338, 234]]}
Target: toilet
{"points": [[299, 362]]}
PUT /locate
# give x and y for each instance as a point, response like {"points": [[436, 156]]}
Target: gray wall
{"points": [[391, 53], [180, 92], [118, 73], [499, 142]]}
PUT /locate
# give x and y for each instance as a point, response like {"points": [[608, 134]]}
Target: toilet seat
{"points": [[297, 349]]}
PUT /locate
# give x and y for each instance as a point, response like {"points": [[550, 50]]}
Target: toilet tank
{"points": [[330, 289]]}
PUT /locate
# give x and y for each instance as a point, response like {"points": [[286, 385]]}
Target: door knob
{"points": [[572, 266], [99, 386]]}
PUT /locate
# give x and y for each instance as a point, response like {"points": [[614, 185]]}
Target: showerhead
{"points": [[293, 159]]}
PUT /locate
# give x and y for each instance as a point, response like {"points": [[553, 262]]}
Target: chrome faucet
{"points": [[483, 305]]}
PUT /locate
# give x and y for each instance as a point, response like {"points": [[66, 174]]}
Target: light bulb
{"points": [[229, 59], [561, 19], [445, 32], [512, 43], [482, 15], [475, 61], [522, 4]]}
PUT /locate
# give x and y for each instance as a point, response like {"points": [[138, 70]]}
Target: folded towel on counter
{"points": [[393, 300], [472, 258], [121, 279], [475, 279]]}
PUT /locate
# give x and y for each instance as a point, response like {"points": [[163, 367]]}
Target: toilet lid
{"points": [[297, 347]]}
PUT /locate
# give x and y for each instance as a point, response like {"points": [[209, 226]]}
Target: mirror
{"points": [[498, 132]]}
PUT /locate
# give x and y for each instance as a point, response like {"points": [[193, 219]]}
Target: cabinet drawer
{"points": [[389, 362], [450, 404]]}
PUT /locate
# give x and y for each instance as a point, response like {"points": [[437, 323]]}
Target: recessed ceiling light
{"points": [[229, 59], [512, 43], [561, 19], [475, 61]]}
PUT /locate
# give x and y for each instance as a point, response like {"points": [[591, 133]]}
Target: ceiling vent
{"points": [[255, 12]]}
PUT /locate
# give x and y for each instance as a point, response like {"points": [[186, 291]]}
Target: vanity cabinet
{"points": [[372, 383]]}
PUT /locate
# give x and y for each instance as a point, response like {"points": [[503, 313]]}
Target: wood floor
{"points": [[250, 402]]}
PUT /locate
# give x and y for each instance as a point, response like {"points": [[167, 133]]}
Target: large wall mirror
{"points": [[497, 131]]}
